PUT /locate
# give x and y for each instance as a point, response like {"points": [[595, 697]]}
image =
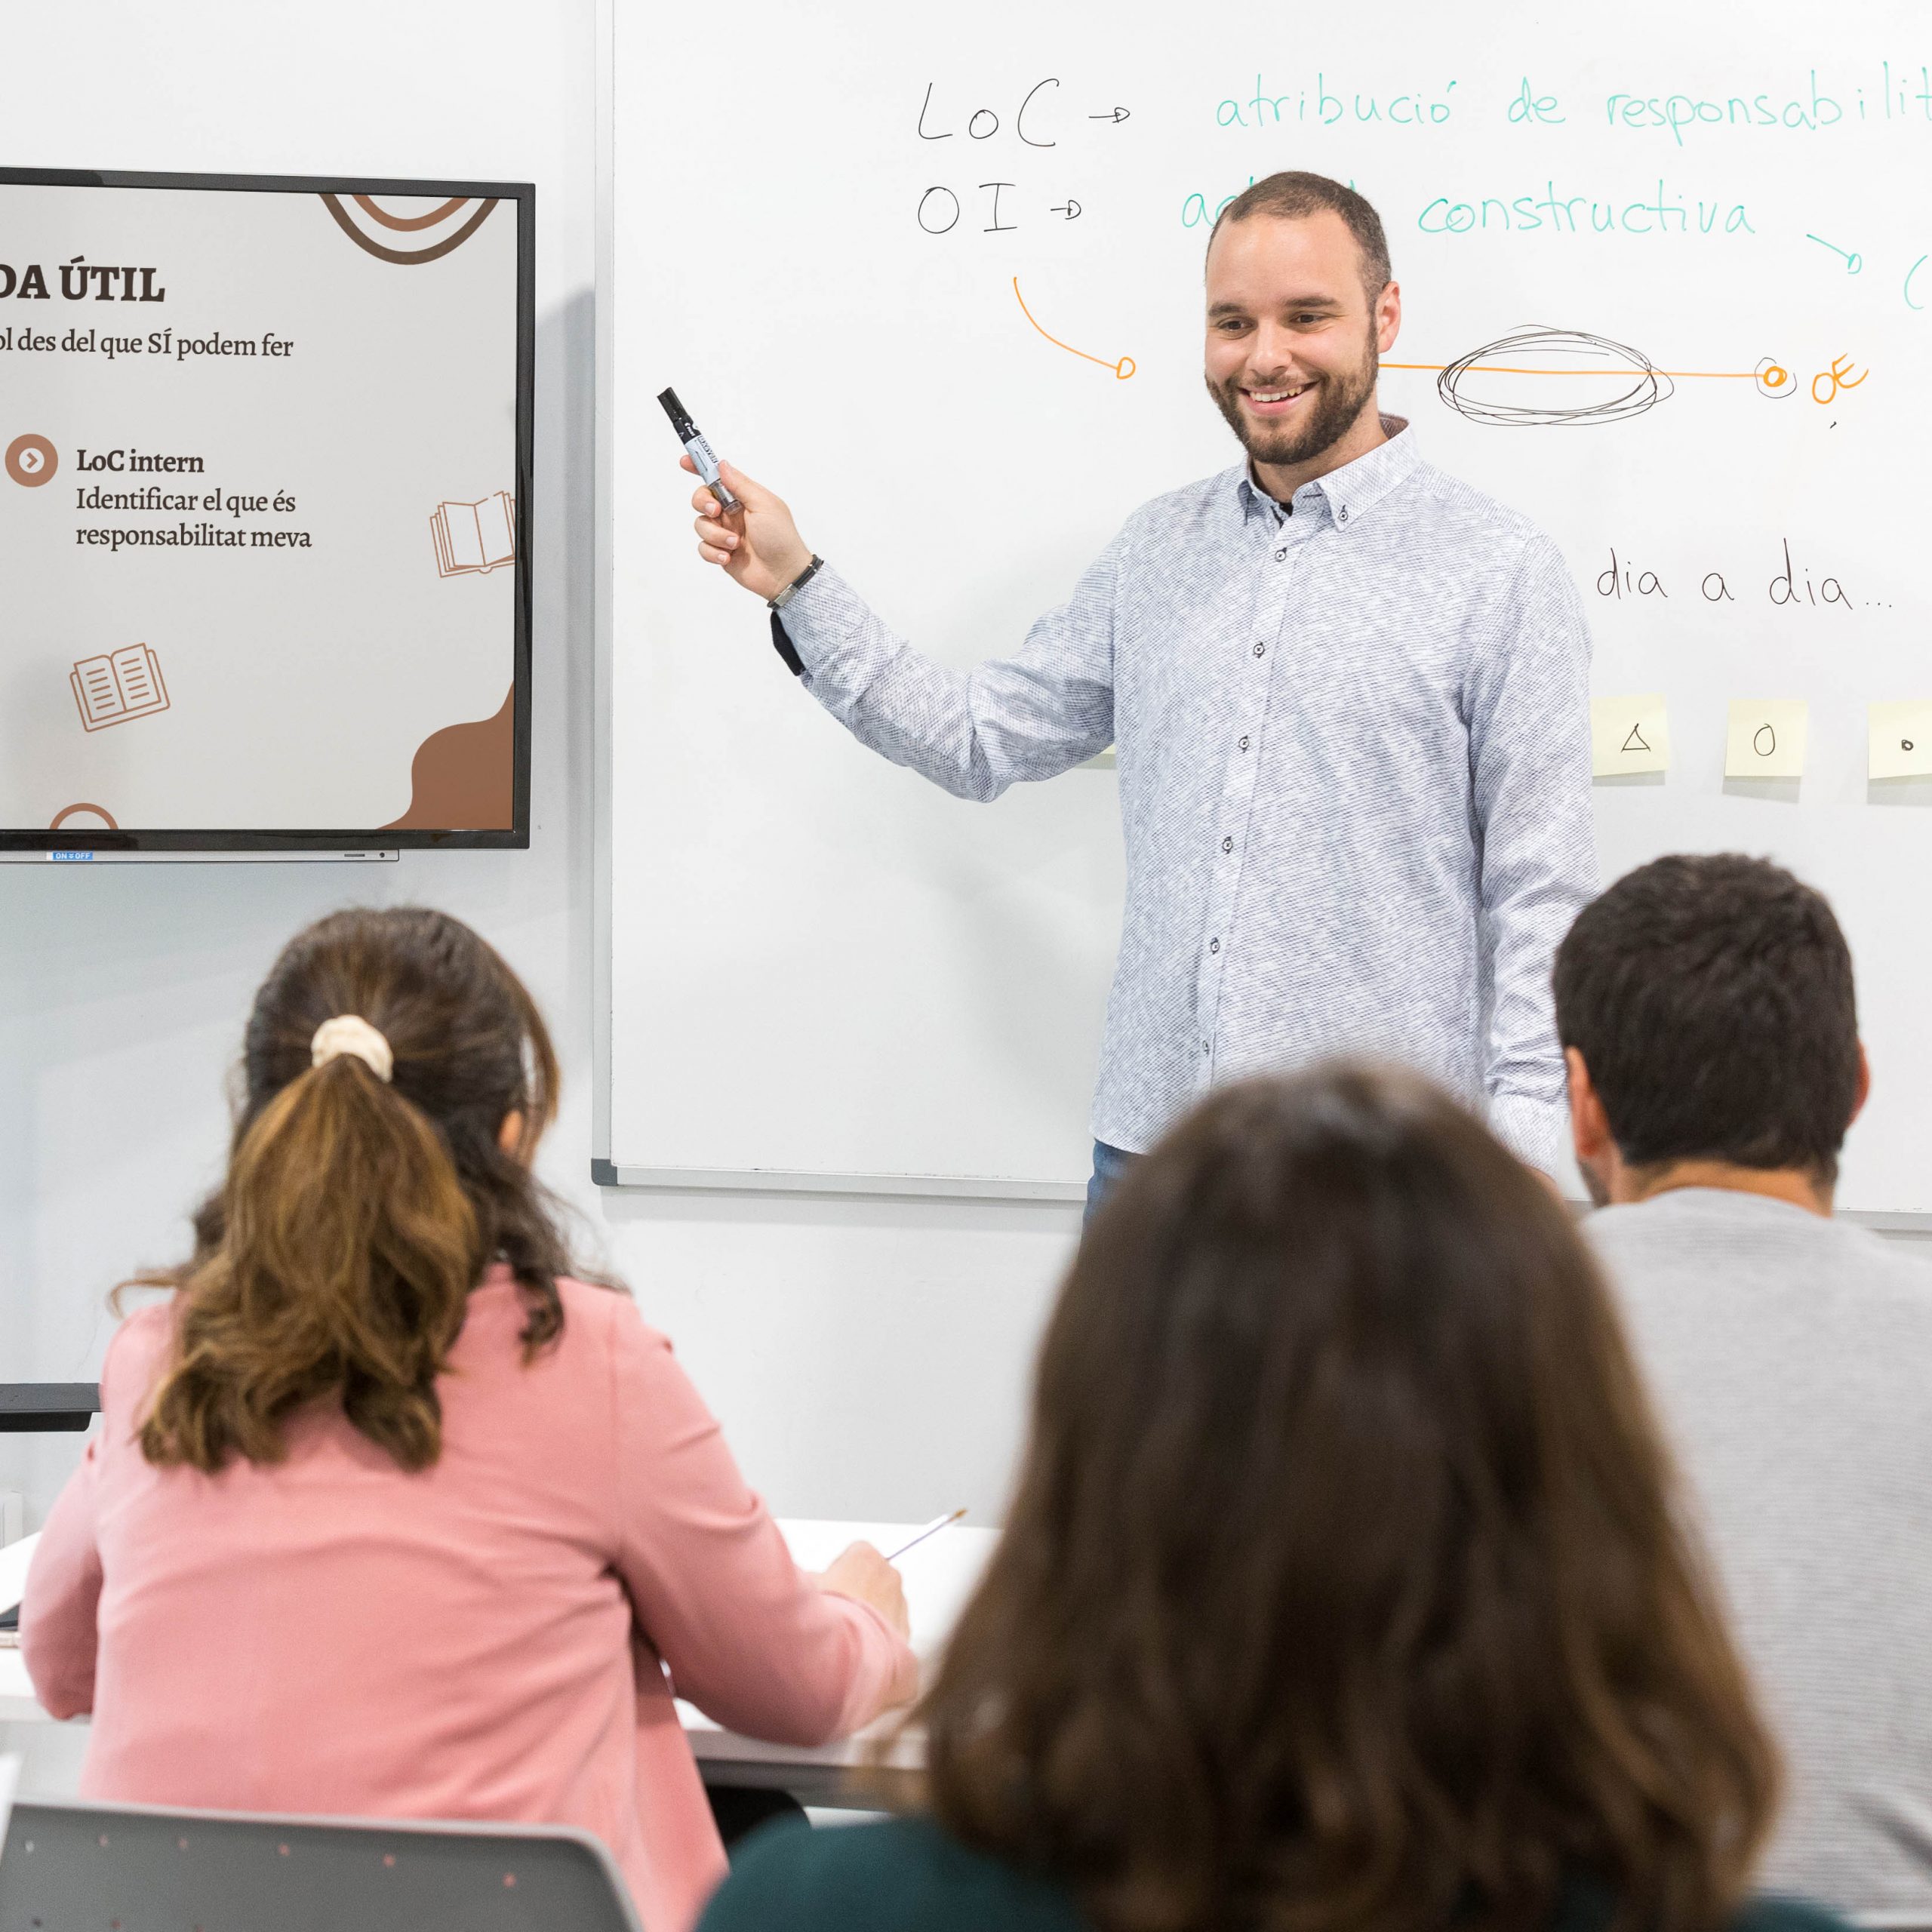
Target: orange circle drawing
{"points": [[32, 461], [99, 811]]}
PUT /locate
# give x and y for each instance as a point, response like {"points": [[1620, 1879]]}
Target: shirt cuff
{"points": [[831, 630], [783, 644], [798, 610], [1537, 1132]]}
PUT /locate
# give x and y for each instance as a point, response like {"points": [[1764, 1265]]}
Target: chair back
{"points": [[139, 1868]]}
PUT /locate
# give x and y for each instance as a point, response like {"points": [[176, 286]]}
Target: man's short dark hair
{"points": [[1293, 196], [1711, 997]]}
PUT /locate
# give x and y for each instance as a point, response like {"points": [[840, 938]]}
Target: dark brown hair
{"points": [[337, 1258], [1294, 196], [1711, 997], [1341, 1591]]}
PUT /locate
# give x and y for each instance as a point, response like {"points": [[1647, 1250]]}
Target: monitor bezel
{"points": [[357, 838]]}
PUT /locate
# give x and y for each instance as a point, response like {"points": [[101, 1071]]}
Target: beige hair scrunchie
{"points": [[350, 1033]]}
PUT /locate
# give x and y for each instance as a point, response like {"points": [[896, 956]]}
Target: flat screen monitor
{"points": [[265, 516]]}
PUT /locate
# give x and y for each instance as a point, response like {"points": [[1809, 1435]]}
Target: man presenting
{"points": [[1349, 695]]}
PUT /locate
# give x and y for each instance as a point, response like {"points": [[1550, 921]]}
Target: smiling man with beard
{"points": [[1350, 695]]}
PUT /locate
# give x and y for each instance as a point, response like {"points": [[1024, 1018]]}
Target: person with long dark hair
{"points": [[390, 1516], [1343, 1590]]}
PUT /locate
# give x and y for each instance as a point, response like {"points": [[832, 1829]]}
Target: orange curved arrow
{"points": [[1122, 369]]}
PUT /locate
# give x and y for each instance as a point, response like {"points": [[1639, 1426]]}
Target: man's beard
{"points": [[1338, 402]]}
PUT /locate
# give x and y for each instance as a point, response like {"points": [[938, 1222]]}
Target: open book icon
{"points": [[111, 690], [474, 537]]}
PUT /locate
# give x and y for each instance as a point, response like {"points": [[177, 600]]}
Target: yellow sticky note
{"points": [[1629, 734], [1766, 738], [1899, 745]]}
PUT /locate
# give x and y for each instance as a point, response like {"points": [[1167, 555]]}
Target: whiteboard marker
{"points": [[698, 450]]}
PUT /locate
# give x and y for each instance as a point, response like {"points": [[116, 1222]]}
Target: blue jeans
{"points": [[1110, 1167]]}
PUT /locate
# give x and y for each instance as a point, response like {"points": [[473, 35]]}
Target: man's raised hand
{"points": [[757, 544]]}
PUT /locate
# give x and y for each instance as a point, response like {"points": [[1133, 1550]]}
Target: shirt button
{"points": [[1342, 515], [1261, 651], [1281, 556], [1208, 1046], [1243, 744], [1227, 844], [1213, 946]]}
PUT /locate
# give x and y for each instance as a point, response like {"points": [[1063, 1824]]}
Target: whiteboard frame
{"points": [[773, 1180], [604, 1173], [601, 388]]}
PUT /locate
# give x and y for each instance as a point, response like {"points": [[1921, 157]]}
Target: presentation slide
{"points": [[259, 523]]}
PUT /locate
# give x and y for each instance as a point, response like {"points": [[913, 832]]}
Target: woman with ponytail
{"points": [[388, 1516]]}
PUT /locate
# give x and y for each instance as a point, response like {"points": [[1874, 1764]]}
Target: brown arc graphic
{"points": [[100, 811], [407, 257], [406, 223]]}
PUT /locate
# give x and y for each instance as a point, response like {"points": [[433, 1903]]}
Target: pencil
{"points": [[937, 1524]]}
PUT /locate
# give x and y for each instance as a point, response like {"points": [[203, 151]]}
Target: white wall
{"points": [[868, 1358]]}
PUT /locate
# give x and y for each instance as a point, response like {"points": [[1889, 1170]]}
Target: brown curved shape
{"points": [[402, 256], [463, 778], [61, 818], [405, 223]]}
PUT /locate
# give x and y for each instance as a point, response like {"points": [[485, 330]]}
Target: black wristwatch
{"points": [[797, 584]]}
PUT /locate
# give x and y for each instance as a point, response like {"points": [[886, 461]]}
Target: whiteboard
{"points": [[937, 280]]}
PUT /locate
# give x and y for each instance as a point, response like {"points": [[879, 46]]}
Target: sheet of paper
{"points": [[1766, 738], [14, 1560], [1899, 743], [1629, 734]]}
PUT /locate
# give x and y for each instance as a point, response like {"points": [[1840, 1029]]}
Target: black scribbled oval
{"points": [[1540, 377]]}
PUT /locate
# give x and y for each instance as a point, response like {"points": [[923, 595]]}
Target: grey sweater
{"points": [[1790, 1359]]}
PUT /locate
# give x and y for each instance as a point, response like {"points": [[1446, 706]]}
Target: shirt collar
{"points": [[1350, 491]]}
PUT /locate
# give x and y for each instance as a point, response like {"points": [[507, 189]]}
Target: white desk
{"points": [[18, 1705], [939, 1575]]}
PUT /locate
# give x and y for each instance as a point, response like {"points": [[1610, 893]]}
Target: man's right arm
{"points": [[1028, 716]]}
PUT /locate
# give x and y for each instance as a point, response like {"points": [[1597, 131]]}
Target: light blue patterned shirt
{"points": [[1354, 777]]}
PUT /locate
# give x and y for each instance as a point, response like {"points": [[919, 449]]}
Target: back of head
{"points": [[1711, 998], [1342, 1587], [367, 1191]]}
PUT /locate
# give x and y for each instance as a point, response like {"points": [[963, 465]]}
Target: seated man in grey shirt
{"points": [[1705, 1010]]}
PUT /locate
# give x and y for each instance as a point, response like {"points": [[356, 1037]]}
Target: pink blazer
{"points": [[488, 1639]]}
